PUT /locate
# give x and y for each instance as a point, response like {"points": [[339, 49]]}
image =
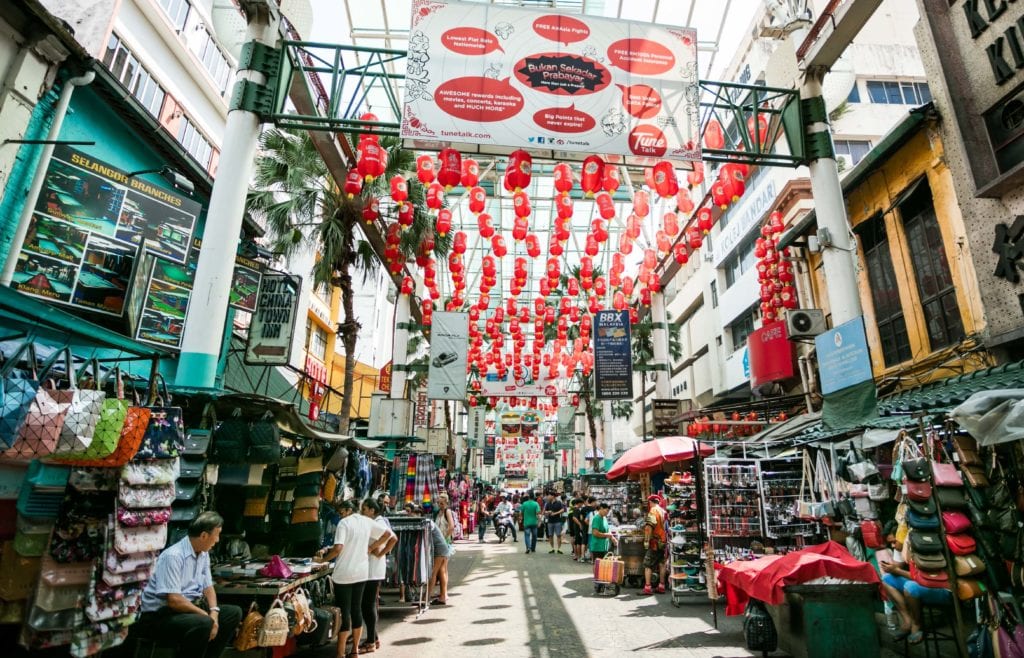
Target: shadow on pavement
{"points": [[483, 642], [412, 640], [555, 633], [492, 620]]}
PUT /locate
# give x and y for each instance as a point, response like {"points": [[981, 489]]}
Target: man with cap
{"points": [[655, 539]]}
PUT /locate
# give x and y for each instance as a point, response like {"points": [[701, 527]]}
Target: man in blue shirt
{"points": [[179, 604]]}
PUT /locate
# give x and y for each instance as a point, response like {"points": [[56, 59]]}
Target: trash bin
{"points": [[828, 621]]}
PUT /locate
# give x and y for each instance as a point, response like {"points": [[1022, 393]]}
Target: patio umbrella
{"points": [[650, 456]]}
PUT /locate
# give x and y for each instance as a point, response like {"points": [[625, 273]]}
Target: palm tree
{"points": [[304, 208]]}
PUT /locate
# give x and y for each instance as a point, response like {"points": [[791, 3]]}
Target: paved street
{"points": [[544, 606]]}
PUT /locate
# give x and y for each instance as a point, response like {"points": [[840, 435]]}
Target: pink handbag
{"points": [[955, 522], [946, 474], [276, 568]]}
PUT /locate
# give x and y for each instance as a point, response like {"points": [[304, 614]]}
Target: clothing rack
{"points": [[413, 561]]}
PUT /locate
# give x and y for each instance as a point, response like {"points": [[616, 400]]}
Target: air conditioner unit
{"points": [[805, 323]]}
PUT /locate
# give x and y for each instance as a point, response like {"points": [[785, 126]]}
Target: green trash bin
{"points": [[828, 621]]}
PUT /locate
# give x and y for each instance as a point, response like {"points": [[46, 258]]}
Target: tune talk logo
{"points": [[647, 141]]}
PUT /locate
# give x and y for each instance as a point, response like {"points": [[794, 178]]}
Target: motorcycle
{"points": [[502, 523]]}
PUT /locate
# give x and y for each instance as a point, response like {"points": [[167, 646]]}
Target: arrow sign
{"points": [[273, 322]]}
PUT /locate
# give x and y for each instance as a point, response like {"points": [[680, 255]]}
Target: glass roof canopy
{"points": [[384, 24]]}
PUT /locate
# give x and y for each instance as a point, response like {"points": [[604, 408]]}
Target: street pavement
{"points": [[544, 606]]}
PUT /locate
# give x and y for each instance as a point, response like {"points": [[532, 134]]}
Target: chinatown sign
{"points": [[273, 323], [488, 78]]}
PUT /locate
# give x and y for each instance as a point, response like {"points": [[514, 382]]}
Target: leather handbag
{"points": [[975, 476], [922, 522], [951, 497], [871, 534], [17, 393], [929, 562], [310, 464], [921, 507], [230, 440], [56, 574], [968, 565], [935, 579], [249, 631], [961, 544], [184, 511], [274, 630], [140, 538], [264, 441], [82, 417], [197, 443], [165, 433], [918, 490], [945, 474], [192, 470], [967, 450], [969, 588], [185, 491], [998, 495], [305, 515], [1003, 519], [955, 522], [925, 542], [918, 470]]}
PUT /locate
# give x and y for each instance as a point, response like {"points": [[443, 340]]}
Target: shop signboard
{"points": [[422, 418], [565, 435], [316, 370], [843, 358], [490, 449], [384, 377], [273, 323], [522, 387], [613, 358], [664, 416], [771, 354], [476, 428], [490, 78], [446, 378]]}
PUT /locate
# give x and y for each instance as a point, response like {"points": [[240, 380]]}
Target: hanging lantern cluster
{"points": [[371, 157], [774, 271]]}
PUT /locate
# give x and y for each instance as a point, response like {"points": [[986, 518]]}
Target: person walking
{"points": [[352, 540], [530, 511], [600, 535], [371, 509], [481, 519], [554, 513], [439, 570]]}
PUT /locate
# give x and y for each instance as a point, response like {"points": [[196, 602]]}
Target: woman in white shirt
{"points": [[352, 541], [378, 567]]}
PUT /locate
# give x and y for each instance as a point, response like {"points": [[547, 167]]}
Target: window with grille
{"points": [[204, 47], [125, 66], [194, 141], [931, 268], [891, 92], [885, 293]]}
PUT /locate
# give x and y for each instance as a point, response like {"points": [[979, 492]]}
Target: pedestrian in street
{"points": [[600, 535], [352, 540], [481, 519], [378, 568], [554, 513], [578, 529], [505, 508], [444, 518], [655, 539], [439, 571], [530, 512]]}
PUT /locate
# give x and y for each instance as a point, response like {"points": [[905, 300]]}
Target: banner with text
{"points": [[491, 78], [449, 336], [613, 358]]}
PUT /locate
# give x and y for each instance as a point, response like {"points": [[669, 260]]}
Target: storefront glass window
{"points": [[177, 11], [931, 268], [136, 79], [885, 294]]}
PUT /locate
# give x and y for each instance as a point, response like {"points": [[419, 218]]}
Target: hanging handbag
{"points": [[230, 440], [951, 497], [918, 469], [39, 435], [197, 443], [969, 588], [249, 632], [954, 522], [112, 417], [922, 522], [56, 574], [156, 471], [142, 496], [961, 544], [131, 518], [999, 495], [945, 474], [929, 562], [82, 417], [871, 534], [935, 579], [310, 464], [879, 492], [917, 490], [1003, 519], [191, 470], [975, 476], [968, 565], [123, 563], [140, 538], [264, 441], [925, 542], [966, 449], [274, 630], [165, 433], [17, 393]]}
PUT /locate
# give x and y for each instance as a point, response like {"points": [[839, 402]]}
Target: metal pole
{"points": [[204, 326], [59, 112], [643, 402], [838, 247]]}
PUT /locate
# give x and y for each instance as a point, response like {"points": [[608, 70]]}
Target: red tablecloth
{"points": [[765, 577]]}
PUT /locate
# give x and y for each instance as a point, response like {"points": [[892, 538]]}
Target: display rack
{"points": [[619, 496], [780, 492], [732, 492], [414, 556]]}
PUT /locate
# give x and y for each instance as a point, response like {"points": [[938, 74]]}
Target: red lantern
{"points": [[555, 247], [641, 204], [518, 171], [477, 200], [407, 285], [645, 296], [705, 220], [627, 286], [459, 242], [671, 224], [564, 206], [498, 246], [758, 129], [444, 221], [427, 307], [449, 171], [470, 173], [399, 190], [662, 241], [679, 252], [696, 177], [521, 204], [600, 287], [532, 245], [353, 183], [649, 177], [719, 196], [665, 182], [619, 300], [563, 178], [605, 205], [520, 226], [591, 248], [650, 259], [611, 179], [573, 287], [405, 215], [485, 226], [371, 161], [435, 196], [425, 169], [592, 176], [683, 202], [694, 237], [714, 137], [371, 210], [625, 243], [632, 227], [600, 230]]}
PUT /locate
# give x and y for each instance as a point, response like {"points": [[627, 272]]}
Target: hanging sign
{"points": [[492, 78], [843, 358], [384, 377], [771, 354], [477, 424], [317, 373], [565, 437], [273, 323], [449, 335], [490, 450], [523, 387], [613, 362]]}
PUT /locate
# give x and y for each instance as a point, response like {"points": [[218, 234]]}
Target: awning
{"points": [[993, 417], [285, 414], [787, 429], [944, 395]]}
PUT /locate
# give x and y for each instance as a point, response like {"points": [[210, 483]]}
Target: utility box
{"points": [[828, 621]]}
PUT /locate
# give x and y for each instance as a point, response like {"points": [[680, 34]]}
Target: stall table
{"points": [[261, 586]]}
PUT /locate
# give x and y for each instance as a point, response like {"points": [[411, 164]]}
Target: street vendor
{"points": [[655, 540]]}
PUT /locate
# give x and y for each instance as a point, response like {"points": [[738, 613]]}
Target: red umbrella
{"points": [[649, 456]]}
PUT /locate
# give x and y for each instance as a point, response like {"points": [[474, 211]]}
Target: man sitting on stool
{"points": [[179, 604]]}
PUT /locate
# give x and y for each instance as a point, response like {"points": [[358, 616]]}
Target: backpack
{"points": [[274, 629], [249, 632], [759, 629]]}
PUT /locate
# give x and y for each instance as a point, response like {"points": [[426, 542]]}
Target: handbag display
{"points": [[951, 497], [249, 631], [274, 629], [140, 538], [922, 522], [920, 491], [809, 508], [871, 534], [968, 565], [135, 496], [57, 574], [929, 562], [966, 449], [954, 522], [122, 563], [961, 544], [230, 440], [132, 518], [109, 426], [937, 579], [156, 471], [918, 470], [17, 393], [82, 417], [969, 588], [264, 441], [165, 433], [945, 474], [925, 542], [197, 443]]}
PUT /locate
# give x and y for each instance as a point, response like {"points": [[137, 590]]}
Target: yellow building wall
{"points": [[878, 193]]}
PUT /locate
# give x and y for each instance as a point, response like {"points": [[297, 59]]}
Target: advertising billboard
{"points": [[613, 358], [492, 78], [446, 378]]}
